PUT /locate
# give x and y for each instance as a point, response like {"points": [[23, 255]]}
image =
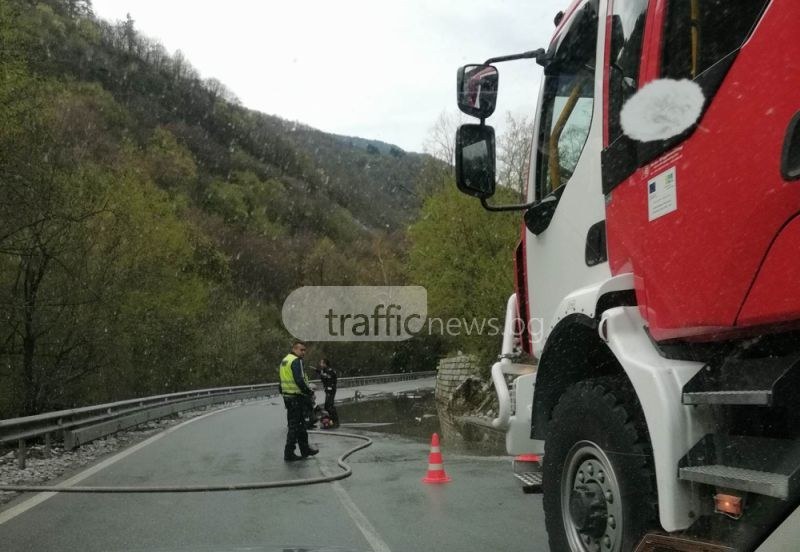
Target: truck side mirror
{"points": [[475, 160], [476, 90]]}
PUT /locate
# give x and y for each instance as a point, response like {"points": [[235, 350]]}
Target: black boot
{"points": [[309, 452], [306, 450], [289, 455]]}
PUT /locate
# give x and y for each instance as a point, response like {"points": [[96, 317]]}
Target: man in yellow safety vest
{"points": [[296, 392]]}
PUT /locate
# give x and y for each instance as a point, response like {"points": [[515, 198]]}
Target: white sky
{"points": [[376, 69]]}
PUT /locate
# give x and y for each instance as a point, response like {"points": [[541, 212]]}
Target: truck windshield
{"points": [[567, 103]]}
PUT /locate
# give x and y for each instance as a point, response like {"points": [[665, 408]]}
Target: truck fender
{"points": [[572, 349], [673, 427]]}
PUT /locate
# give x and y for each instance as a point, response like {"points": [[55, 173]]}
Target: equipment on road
{"points": [[436, 473], [657, 273], [324, 418], [329, 379]]}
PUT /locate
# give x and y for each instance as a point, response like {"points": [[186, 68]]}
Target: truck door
{"points": [[566, 171], [693, 215]]}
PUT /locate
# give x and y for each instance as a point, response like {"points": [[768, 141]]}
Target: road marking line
{"points": [[367, 529], [34, 501]]}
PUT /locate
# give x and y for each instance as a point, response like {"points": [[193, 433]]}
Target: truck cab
{"points": [[656, 275]]}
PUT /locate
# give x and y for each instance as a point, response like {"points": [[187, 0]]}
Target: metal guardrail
{"points": [[81, 425]]}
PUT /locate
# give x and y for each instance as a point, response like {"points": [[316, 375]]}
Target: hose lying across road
{"points": [[212, 488]]}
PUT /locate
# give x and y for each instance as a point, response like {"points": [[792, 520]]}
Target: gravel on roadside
{"points": [[40, 468]]}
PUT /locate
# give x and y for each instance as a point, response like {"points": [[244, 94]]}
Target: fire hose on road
{"points": [[212, 488]]}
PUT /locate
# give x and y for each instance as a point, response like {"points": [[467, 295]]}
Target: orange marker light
{"points": [[730, 505]]}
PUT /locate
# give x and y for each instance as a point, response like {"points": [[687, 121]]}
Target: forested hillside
{"points": [[151, 226]]}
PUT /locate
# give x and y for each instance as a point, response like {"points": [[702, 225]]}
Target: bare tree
{"points": [[441, 140], [514, 151], [217, 91], [79, 8], [129, 33], [513, 146]]}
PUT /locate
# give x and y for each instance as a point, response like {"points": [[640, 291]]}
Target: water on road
{"points": [[383, 507]]}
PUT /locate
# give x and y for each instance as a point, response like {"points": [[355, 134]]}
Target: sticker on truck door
{"points": [[662, 194]]}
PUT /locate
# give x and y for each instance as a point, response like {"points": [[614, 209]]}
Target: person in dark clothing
{"points": [[328, 377], [296, 391]]}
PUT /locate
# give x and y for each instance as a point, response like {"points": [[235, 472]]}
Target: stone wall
{"points": [[454, 415], [451, 372]]}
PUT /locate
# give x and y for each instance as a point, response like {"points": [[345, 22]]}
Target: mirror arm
{"points": [[500, 208], [539, 55]]}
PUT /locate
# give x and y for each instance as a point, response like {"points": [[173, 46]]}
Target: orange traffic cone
{"points": [[436, 473]]}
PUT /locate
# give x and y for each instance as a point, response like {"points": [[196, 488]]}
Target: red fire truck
{"points": [[657, 278]]}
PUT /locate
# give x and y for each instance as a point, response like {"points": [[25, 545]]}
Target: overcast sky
{"points": [[375, 69]]}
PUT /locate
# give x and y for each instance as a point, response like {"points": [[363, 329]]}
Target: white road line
{"points": [[34, 501], [367, 529]]}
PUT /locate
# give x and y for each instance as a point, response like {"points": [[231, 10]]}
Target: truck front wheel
{"points": [[598, 480]]}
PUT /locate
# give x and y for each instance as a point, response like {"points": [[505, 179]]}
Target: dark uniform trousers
{"points": [[296, 434], [330, 397]]}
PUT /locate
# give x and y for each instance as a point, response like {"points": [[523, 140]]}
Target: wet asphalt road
{"points": [[382, 507]]}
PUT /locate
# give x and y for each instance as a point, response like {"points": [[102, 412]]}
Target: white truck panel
{"points": [[674, 428]]}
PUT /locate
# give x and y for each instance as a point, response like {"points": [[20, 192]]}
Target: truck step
{"points": [[531, 482], [754, 381], [752, 481], [760, 465]]}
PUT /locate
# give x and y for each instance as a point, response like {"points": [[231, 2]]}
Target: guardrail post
{"points": [[21, 454], [47, 445]]}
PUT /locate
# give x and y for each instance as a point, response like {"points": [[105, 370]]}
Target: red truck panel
{"points": [[695, 265], [775, 296]]}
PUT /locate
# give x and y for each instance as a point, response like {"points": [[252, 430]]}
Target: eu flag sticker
{"points": [[662, 194]]}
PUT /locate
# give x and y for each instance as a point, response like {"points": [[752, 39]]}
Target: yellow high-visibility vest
{"points": [[288, 385]]}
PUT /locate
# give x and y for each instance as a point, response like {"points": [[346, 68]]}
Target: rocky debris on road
{"points": [[41, 468]]}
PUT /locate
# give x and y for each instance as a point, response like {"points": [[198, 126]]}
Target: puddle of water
{"points": [[415, 416]]}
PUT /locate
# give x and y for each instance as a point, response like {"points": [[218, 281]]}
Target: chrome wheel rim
{"points": [[591, 505]]}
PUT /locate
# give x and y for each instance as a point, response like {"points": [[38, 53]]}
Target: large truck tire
{"points": [[598, 480]]}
